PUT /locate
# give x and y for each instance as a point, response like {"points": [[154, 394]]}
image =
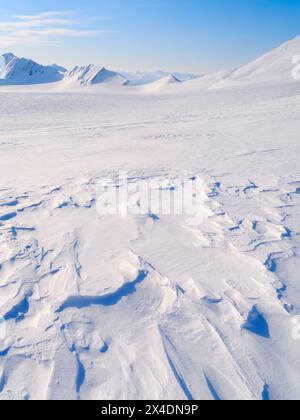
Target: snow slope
{"points": [[204, 83], [4, 60], [160, 84], [272, 68], [22, 71]]}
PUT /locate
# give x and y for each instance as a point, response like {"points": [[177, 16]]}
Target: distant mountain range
{"points": [[143, 77], [276, 66], [23, 71]]}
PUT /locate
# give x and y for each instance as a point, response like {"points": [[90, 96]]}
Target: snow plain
{"points": [[147, 306]]}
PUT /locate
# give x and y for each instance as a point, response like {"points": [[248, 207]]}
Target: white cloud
{"points": [[7, 26], [44, 15], [12, 40], [43, 28], [69, 33]]}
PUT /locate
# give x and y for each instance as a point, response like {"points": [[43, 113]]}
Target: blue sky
{"points": [[172, 35]]}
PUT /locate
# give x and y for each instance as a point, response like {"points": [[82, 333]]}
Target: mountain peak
{"points": [[92, 75], [171, 78], [22, 71], [8, 57]]}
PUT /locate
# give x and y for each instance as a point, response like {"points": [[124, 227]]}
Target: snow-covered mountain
{"points": [[274, 67], [93, 75], [23, 71], [143, 77]]}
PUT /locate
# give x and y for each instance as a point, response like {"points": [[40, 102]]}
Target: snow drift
{"points": [[161, 83]]}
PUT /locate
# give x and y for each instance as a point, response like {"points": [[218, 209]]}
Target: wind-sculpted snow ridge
{"points": [[139, 307]]}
